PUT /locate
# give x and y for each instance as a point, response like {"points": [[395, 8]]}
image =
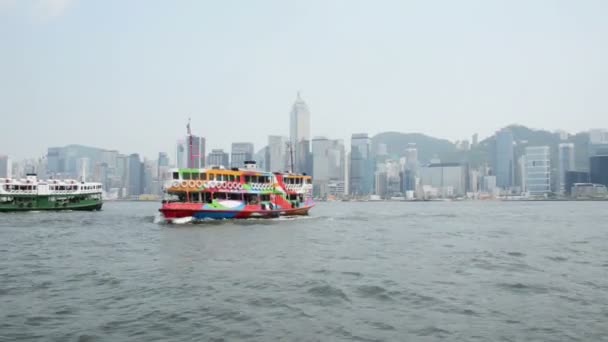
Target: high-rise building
{"points": [[64, 161], [566, 163], [299, 135], [598, 170], [260, 158], [135, 182], [448, 178], [162, 166], [538, 170], [337, 160], [474, 140], [598, 142], [575, 177], [84, 169], [320, 166], [276, 156], [361, 165], [218, 157], [504, 157], [241, 152], [328, 164], [181, 161], [6, 167], [195, 152]]}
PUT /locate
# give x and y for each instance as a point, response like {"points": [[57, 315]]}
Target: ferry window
{"points": [[206, 197], [203, 176], [231, 178], [238, 178], [235, 197], [186, 175], [195, 176], [219, 195], [251, 198], [247, 179], [175, 175], [308, 181], [264, 198]]}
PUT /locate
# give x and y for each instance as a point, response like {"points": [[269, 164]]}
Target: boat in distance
{"points": [[33, 194], [237, 193]]}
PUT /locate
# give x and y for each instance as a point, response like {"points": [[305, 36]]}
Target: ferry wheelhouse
{"points": [[219, 193], [31, 193]]}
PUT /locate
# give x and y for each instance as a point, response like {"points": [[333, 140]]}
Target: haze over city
{"points": [[127, 75]]}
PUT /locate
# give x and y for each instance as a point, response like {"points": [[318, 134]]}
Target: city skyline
{"points": [[108, 74]]}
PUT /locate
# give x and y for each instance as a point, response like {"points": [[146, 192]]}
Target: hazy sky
{"points": [[127, 74]]}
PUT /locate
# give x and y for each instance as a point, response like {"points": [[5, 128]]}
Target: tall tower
{"points": [[299, 135]]}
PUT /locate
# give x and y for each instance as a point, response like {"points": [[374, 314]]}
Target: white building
{"points": [[538, 171], [299, 135], [566, 163]]}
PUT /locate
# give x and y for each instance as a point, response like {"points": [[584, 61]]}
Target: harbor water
{"points": [[363, 271]]}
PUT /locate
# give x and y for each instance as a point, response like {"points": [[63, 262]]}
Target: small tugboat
{"points": [[219, 193], [32, 194]]}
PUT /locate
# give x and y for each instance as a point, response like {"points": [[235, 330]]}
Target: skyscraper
{"points": [[136, 175], [195, 152], [218, 157], [361, 165], [320, 165], [299, 135], [276, 157], [241, 151], [599, 169], [180, 154], [6, 167], [566, 163], [504, 165], [538, 170], [162, 166]]}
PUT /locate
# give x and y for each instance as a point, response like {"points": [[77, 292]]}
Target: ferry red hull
{"points": [[195, 210]]}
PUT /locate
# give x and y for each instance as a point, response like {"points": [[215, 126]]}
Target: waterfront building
{"points": [[574, 177], [504, 158], [361, 165], [447, 178], [135, 182], [538, 170], [566, 163], [598, 170]]}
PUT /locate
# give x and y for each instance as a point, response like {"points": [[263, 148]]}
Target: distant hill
{"points": [[428, 147], [446, 151]]}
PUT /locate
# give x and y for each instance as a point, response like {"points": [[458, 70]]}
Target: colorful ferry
{"points": [[237, 193], [31, 194]]}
